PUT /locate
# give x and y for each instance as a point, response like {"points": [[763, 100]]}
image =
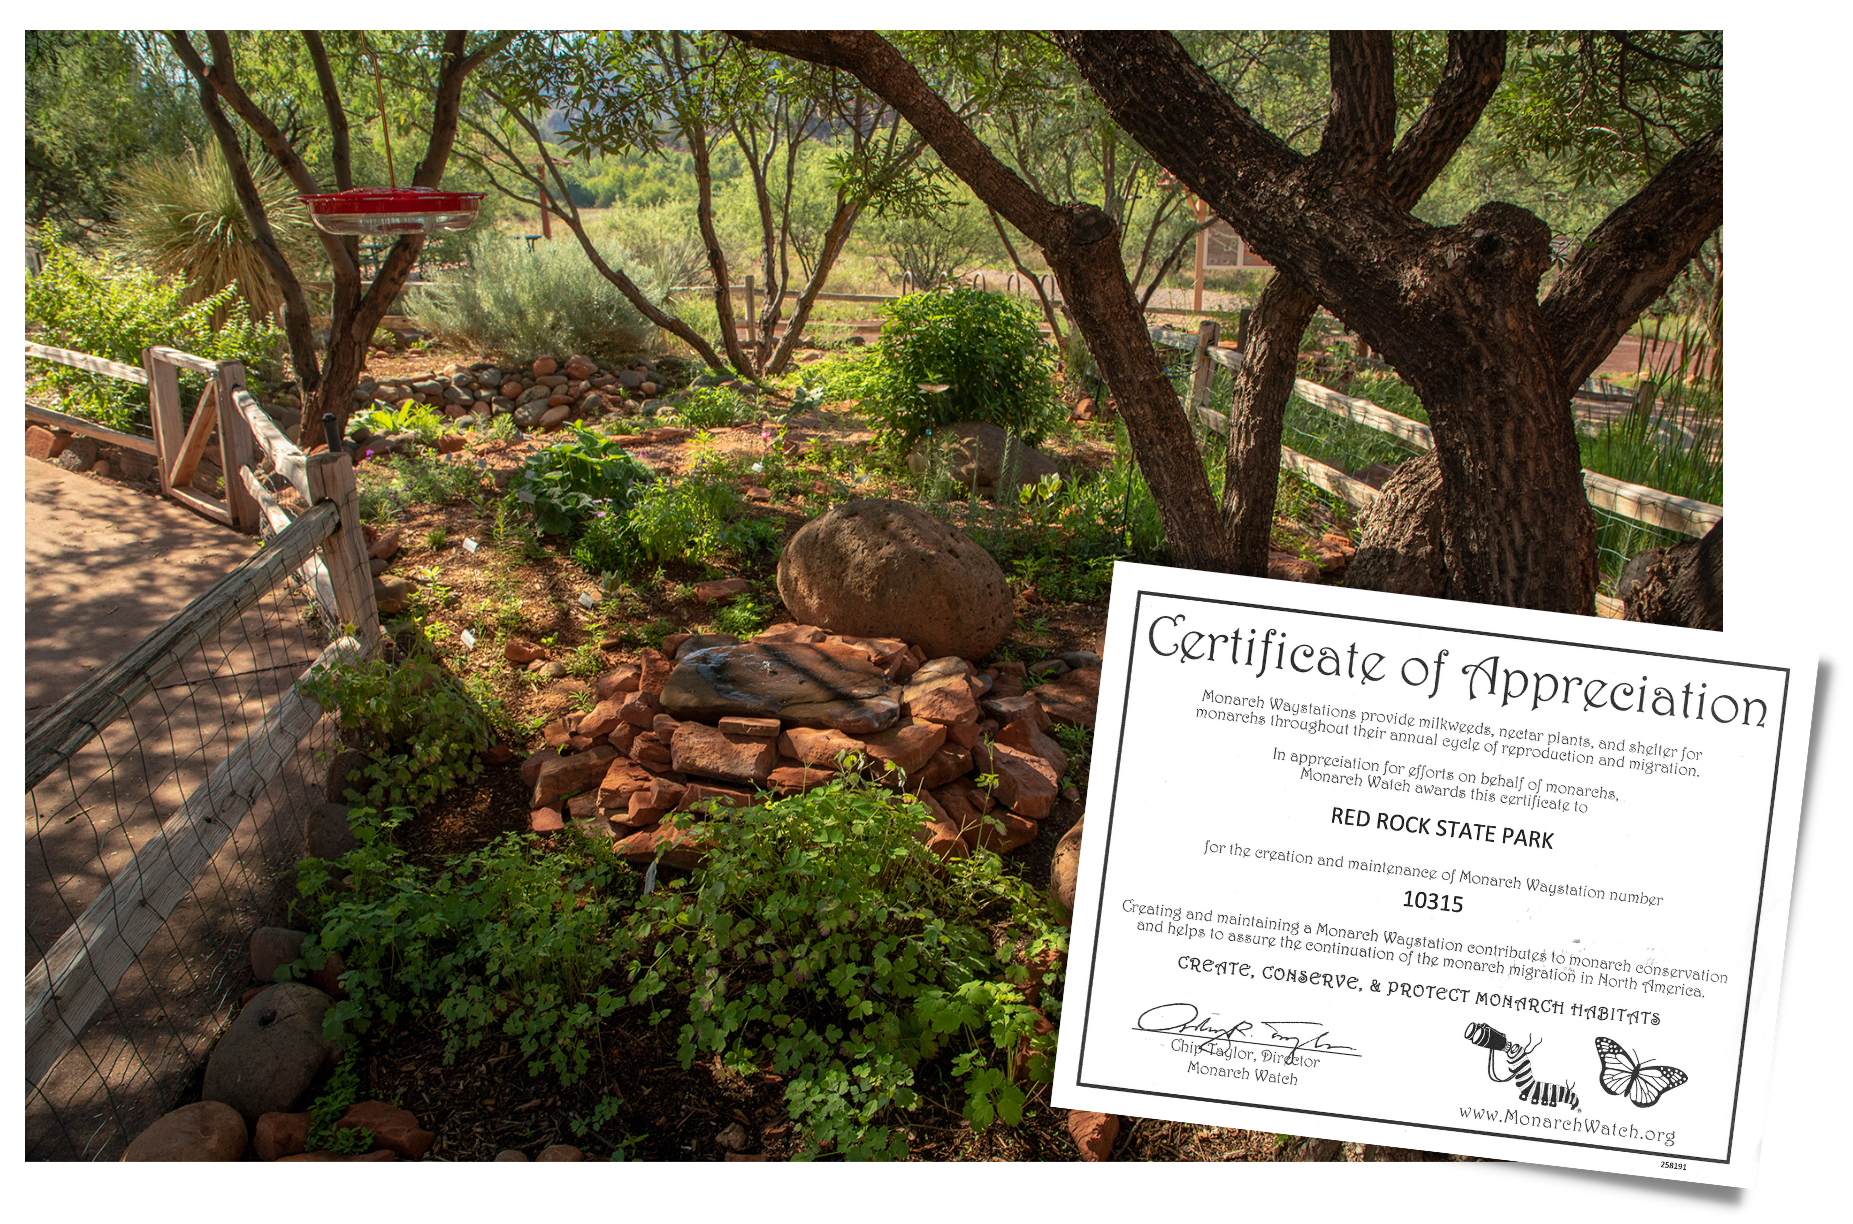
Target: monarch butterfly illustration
{"points": [[1518, 1065], [1623, 1075]]}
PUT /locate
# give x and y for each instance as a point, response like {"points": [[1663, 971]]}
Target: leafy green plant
{"points": [[744, 617], [389, 484], [420, 731], [421, 420], [983, 349], [585, 475], [335, 1099], [822, 939], [685, 519], [708, 407], [111, 309], [517, 304], [519, 941]]}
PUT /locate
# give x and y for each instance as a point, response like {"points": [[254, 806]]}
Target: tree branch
{"points": [[1476, 63], [1631, 258], [872, 60], [1363, 120]]}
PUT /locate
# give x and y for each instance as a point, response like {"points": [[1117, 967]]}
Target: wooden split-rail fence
{"points": [[323, 545], [1655, 507]]}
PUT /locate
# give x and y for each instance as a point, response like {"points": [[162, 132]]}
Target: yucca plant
{"points": [[180, 217]]}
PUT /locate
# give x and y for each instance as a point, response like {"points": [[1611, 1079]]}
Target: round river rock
{"points": [[882, 568]]}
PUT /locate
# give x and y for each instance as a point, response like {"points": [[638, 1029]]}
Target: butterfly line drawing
{"points": [[1531, 1090], [1623, 1075]]}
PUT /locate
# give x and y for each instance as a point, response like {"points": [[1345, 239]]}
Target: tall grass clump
{"points": [[180, 217], [516, 304]]}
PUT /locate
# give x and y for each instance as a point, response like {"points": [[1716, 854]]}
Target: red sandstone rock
{"points": [[940, 692], [1093, 1133], [620, 679], [392, 1128], [1026, 784], [680, 847], [700, 749], [545, 820], [640, 710], [817, 747], [656, 669], [791, 777], [622, 780], [757, 728], [603, 719], [720, 588], [280, 1134], [652, 753], [652, 803], [1002, 831], [1008, 709], [1024, 734], [802, 634], [622, 737], [530, 768], [909, 745], [702, 792], [1071, 699], [565, 776], [951, 761], [520, 650]]}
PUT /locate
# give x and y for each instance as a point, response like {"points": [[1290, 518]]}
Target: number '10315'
{"points": [[1446, 903]]}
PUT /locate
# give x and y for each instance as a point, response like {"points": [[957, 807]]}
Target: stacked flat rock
{"points": [[711, 721]]}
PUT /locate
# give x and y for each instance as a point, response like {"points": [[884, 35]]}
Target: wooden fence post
{"points": [[237, 446], [164, 415], [344, 554], [752, 316], [1202, 369], [1241, 329]]}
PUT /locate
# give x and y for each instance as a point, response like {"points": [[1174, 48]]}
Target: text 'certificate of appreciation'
{"points": [[1433, 874]]}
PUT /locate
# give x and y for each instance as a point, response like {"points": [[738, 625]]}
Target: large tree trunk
{"points": [[1454, 309]]}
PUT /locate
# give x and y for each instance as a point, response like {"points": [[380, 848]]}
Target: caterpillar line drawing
{"points": [[1518, 1066]]}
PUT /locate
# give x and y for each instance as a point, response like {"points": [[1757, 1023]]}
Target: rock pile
{"points": [[545, 394], [711, 721]]}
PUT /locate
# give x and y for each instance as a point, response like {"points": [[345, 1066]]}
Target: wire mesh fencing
{"points": [[116, 843]]}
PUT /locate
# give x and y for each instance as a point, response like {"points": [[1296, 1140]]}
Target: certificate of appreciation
{"points": [[1432, 874]]}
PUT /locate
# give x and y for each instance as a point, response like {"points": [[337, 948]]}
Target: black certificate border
{"points": [[1756, 930]]}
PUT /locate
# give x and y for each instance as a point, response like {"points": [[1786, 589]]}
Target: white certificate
{"points": [[1433, 874]]}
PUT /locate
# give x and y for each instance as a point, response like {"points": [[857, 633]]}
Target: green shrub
{"points": [[822, 939], [420, 731], [109, 308], [584, 476], [983, 347], [711, 407], [675, 519], [512, 941], [420, 420], [838, 377], [516, 304]]}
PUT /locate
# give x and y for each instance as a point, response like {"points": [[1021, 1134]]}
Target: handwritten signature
{"points": [[1184, 1019]]}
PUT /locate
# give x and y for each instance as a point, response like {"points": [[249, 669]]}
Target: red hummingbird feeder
{"points": [[378, 211]]}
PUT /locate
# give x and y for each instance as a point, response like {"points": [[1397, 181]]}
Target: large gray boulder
{"points": [[981, 456], [272, 1052], [881, 568]]}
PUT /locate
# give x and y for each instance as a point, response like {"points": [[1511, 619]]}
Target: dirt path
{"points": [[103, 568]]}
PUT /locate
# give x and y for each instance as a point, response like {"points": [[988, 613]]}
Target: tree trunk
{"points": [[1263, 385], [835, 239], [1454, 309], [697, 136], [1681, 585]]}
